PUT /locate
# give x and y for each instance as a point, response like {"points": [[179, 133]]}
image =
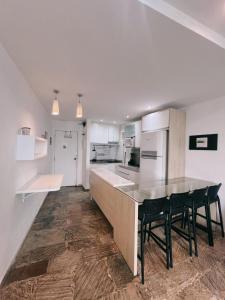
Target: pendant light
{"points": [[55, 104], [79, 108]]}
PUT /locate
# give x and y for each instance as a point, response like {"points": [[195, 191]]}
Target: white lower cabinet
{"points": [[127, 174]]}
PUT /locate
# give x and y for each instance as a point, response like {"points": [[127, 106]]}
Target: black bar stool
{"points": [[151, 211], [197, 199], [212, 197], [177, 208]]}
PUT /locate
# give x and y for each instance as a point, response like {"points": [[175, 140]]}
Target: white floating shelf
{"points": [[42, 183], [31, 147]]}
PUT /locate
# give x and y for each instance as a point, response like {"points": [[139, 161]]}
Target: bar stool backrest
{"points": [[152, 208], [213, 192], [199, 196], [177, 202]]}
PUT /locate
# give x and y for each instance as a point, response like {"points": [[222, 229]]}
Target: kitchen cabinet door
{"points": [[93, 133], [99, 133], [137, 134], [113, 133], [129, 130], [156, 121]]}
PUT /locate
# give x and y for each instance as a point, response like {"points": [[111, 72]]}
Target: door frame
{"points": [[77, 148]]}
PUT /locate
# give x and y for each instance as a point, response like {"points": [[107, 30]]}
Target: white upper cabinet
{"points": [[99, 133], [137, 125], [156, 121], [129, 130], [113, 133], [103, 133]]}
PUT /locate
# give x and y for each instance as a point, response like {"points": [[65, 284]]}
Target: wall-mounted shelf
{"points": [[31, 147], [41, 184]]}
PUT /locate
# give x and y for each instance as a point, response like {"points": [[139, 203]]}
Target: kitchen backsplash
{"points": [[104, 151]]}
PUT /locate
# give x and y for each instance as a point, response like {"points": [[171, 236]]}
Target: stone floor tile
{"points": [[69, 253]]}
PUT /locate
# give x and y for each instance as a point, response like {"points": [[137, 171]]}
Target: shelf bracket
{"points": [[25, 196]]}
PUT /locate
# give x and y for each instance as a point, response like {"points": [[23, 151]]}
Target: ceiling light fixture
{"points": [[79, 108], [127, 116], [55, 104]]}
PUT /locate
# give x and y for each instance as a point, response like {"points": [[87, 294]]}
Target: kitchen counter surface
{"points": [[131, 168], [111, 178], [162, 188], [152, 189]]}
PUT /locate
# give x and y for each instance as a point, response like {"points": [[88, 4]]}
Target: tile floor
{"points": [[69, 253]]}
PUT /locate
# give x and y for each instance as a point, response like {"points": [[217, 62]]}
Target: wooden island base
{"points": [[122, 213]]}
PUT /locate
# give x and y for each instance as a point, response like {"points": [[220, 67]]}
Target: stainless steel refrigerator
{"points": [[153, 162]]}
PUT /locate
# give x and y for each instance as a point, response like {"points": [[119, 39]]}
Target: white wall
{"points": [[70, 126], [205, 118], [18, 107]]}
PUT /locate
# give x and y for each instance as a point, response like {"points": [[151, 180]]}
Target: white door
{"points": [[65, 156]]}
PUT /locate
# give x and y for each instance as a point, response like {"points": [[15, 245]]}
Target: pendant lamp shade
{"points": [[79, 108], [55, 104]]}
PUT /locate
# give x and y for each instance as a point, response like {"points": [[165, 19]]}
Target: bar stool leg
{"points": [[189, 232], [209, 224], [142, 252], [145, 231], [167, 245], [183, 222], [149, 230], [194, 213], [170, 241], [221, 217]]}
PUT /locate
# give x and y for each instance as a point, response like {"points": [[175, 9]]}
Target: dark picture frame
{"points": [[203, 142]]}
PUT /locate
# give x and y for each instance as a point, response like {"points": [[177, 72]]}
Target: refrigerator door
{"points": [[153, 163], [155, 142]]}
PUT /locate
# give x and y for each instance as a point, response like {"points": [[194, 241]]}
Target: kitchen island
{"points": [[119, 199]]}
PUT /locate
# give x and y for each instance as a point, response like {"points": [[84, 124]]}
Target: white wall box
{"points": [[156, 121], [31, 147]]}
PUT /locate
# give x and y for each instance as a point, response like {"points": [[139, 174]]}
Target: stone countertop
{"points": [[131, 168], [161, 188], [111, 178]]}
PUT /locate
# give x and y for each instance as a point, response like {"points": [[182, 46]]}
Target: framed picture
{"points": [[203, 142]]}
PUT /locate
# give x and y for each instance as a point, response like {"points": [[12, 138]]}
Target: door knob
{"points": [[75, 158]]}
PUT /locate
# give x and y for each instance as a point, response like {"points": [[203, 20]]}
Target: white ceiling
{"points": [[211, 13], [124, 56]]}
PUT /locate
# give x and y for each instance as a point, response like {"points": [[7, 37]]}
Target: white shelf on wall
{"points": [[31, 147], [41, 184]]}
